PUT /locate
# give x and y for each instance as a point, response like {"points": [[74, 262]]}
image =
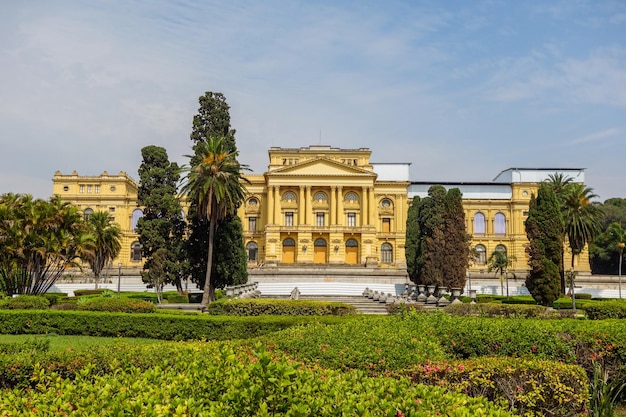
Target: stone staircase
{"points": [[363, 305]]}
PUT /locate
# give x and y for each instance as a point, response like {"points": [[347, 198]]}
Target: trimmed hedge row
{"points": [[259, 307], [232, 383], [502, 310], [606, 310], [537, 387], [153, 325], [25, 302]]}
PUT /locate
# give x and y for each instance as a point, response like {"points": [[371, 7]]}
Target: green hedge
{"points": [[232, 383], [501, 310], [260, 307], [83, 292], [25, 302], [534, 387], [152, 325], [115, 304], [605, 310]]}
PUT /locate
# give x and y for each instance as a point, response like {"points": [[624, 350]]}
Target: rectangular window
{"points": [[81, 188], [252, 224], [111, 209], [320, 220], [97, 189], [351, 219], [386, 225], [89, 188], [289, 218]]}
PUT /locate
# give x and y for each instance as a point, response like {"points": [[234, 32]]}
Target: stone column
{"points": [[307, 213], [340, 219], [333, 200], [372, 206], [301, 207], [270, 205], [277, 204], [364, 204]]}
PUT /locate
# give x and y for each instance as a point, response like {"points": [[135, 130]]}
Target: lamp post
{"points": [[119, 277]]}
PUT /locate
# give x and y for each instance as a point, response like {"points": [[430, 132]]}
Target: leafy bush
{"points": [[80, 293], [31, 346], [402, 308], [55, 297], [582, 296], [535, 387], [372, 344], [605, 310], [259, 307], [234, 383], [520, 300], [501, 310], [177, 299], [122, 305], [152, 325], [25, 302]]}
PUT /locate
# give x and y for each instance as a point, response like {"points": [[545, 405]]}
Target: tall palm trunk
{"points": [[572, 284], [209, 291]]}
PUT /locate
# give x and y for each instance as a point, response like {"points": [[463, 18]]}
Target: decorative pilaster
{"points": [[372, 207], [270, 205], [301, 207], [277, 204]]}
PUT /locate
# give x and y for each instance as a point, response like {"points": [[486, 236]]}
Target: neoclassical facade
{"points": [[324, 206], [114, 194]]}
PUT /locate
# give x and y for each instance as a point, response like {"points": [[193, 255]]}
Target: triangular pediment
{"points": [[322, 167]]}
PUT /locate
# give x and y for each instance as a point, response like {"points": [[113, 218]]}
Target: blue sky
{"points": [[460, 89]]}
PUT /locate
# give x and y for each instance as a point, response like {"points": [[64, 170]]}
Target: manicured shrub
{"points": [[259, 307], [114, 304], [54, 297], [582, 296], [80, 293], [25, 302], [531, 387], [31, 346], [151, 325], [520, 300], [177, 299], [501, 310], [605, 310], [233, 383], [401, 308]]}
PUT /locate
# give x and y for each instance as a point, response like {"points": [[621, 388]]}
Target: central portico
{"points": [[326, 206]]}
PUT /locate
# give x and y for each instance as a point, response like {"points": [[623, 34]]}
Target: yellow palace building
{"points": [[320, 206]]}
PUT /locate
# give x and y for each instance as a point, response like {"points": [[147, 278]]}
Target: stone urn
{"points": [[456, 293], [442, 301], [431, 295], [421, 297]]}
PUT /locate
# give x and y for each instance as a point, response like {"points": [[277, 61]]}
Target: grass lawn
{"points": [[59, 343]]}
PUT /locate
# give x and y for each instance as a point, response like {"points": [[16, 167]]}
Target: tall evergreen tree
{"points": [[457, 241], [213, 121], [437, 246], [162, 226], [544, 229], [412, 244]]}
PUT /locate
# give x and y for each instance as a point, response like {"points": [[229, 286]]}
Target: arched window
{"points": [[479, 224], [480, 253], [253, 251], [352, 198], [386, 253], [135, 251], [351, 243], [289, 196], [501, 248], [499, 224], [87, 214], [385, 203], [253, 201], [320, 196], [319, 242], [137, 214], [289, 242]]}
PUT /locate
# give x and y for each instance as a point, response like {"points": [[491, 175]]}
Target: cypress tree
{"points": [[412, 239], [162, 226], [544, 229], [457, 241]]}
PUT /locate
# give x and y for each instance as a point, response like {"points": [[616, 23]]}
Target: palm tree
{"points": [[582, 222], [214, 185], [617, 234], [561, 184], [499, 262], [106, 242]]}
